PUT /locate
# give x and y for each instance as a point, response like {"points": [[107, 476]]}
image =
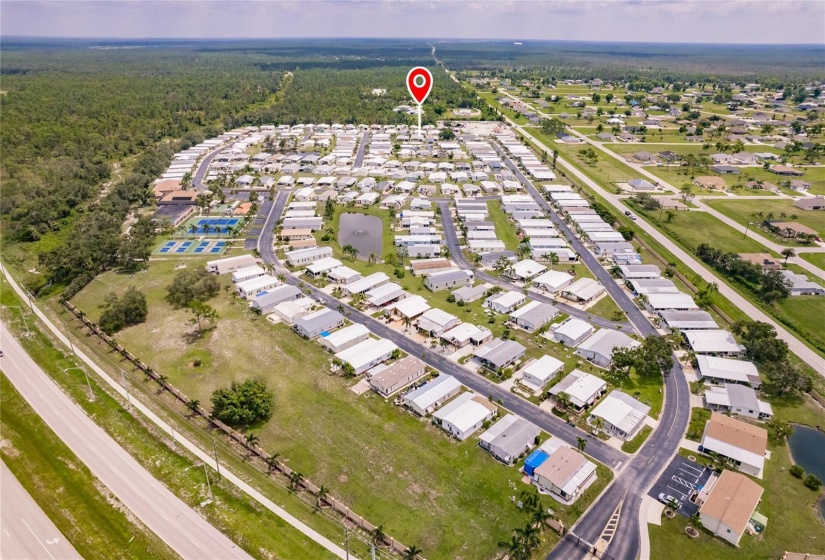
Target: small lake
{"points": [[362, 231], [808, 451]]}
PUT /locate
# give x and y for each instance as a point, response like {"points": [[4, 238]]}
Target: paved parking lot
{"points": [[681, 479]]}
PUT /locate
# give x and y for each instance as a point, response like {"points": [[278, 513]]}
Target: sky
{"points": [[670, 21]]}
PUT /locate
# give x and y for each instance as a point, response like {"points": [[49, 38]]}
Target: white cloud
{"points": [[707, 21]]}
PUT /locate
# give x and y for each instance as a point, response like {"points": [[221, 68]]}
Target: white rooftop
{"points": [[544, 368]]}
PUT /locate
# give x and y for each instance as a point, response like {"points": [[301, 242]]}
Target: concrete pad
{"points": [[653, 423], [361, 387], [653, 509], [689, 445], [697, 401], [615, 442]]}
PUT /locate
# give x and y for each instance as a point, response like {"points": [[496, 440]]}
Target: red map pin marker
{"points": [[419, 82]]}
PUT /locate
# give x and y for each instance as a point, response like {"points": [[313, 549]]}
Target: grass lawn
{"points": [[741, 211], [646, 389], [368, 463], [634, 444], [605, 307], [805, 314], [793, 523], [693, 228], [698, 419], [505, 229], [64, 488], [233, 512], [817, 259]]}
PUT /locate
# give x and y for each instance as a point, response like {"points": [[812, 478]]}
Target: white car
{"points": [[667, 499]]}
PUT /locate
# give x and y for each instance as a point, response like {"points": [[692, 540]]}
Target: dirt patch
{"points": [[343, 479], [9, 448]]}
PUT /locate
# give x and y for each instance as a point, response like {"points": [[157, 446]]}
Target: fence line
{"points": [[234, 435]]}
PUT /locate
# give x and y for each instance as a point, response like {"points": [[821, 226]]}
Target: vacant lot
{"points": [[744, 211], [450, 499], [693, 228]]}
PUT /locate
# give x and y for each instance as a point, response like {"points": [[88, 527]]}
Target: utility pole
{"points": [[126, 388], [215, 454], [88, 384]]}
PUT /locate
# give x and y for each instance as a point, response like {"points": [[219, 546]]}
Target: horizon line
{"points": [[475, 39]]}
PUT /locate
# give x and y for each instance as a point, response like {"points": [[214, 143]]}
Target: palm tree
{"points": [[372, 257], [412, 553], [540, 516], [251, 443], [193, 405], [581, 443], [563, 400], [598, 422], [407, 323], [696, 520], [378, 535], [788, 252], [206, 229], [529, 535], [272, 462], [321, 495], [295, 479], [529, 498], [281, 278], [193, 229], [516, 548]]}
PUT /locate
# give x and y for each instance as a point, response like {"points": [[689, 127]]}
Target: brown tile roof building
{"points": [[738, 433], [730, 505]]}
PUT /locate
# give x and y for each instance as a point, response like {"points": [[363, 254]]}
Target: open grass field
{"points": [[233, 513], [742, 211], [505, 229], [451, 499], [693, 228], [70, 495], [793, 524]]}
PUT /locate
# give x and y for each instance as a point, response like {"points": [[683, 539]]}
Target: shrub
{"points": [[813, 482], [797, 471], [120, 312], [243, 403]]}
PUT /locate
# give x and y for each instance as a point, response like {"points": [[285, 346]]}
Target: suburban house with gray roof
{"points": [[265, 302], [534, 315], [499, 353], [448, 279], [509, 438], [599, 348], [323, 320]]}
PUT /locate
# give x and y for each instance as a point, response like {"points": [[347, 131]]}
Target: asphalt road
{"points": [[362, 146], [197, 179], [546, 421], [645, 466], [26, 530], [451, 240], [178, 525]]}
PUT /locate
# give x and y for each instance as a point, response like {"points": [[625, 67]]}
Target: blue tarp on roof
{"points": [[534, 460], [324, 334]]}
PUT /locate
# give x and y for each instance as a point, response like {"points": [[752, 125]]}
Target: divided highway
{"points": [[178, 525], [27, 530]]}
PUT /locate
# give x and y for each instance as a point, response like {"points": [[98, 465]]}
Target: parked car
{"points": [[630, 214], [667, 499]]}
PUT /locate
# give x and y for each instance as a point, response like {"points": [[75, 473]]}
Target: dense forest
{"points": [[626, 61], [87, 127]]}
